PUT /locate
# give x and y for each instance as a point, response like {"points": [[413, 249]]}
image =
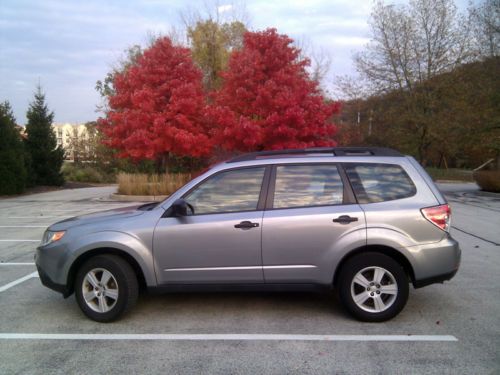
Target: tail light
{"points": [[439, 216]]}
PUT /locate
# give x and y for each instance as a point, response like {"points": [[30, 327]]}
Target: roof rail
{"points": [[334, 151]]}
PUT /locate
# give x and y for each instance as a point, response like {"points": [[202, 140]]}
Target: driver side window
{"points": [[231, 191]]}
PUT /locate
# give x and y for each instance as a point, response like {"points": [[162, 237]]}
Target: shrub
{"points": [[86, 173], [151, 184], [451, 174], [488, 180]]}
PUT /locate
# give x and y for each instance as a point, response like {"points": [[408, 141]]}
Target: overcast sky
{"points": [[68, 45]]}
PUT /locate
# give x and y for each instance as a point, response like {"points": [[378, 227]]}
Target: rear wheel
{"points": [[106, 287], [373, 287]]}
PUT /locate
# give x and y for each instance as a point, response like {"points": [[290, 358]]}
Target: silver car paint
{"points": [[308, 236], [209, 249]]}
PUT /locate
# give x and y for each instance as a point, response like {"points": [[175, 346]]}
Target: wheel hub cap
{"points": [[100, 290], [374, 289]]}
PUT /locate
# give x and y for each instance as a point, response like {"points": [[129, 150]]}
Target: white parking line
{"points": [[32, 217], [23, 226], [19, 240], [18, 281], [221, 337], [16, 264]]}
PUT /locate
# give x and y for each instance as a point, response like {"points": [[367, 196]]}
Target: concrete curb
{"points": [[137, 198]]}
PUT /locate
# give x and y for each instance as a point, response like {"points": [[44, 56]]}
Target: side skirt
{"points": [[222, 288]]}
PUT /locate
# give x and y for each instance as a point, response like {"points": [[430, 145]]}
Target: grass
{"points": [[150, 184], [450, 174]]}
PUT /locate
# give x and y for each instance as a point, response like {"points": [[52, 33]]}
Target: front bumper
{"points": [[51, 264], [46, 281]]}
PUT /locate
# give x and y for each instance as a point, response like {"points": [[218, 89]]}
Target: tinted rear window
{"points": [[379, 182]]}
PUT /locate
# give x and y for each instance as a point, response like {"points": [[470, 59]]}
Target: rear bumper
{"points": [[434, 280], [435, 263]]}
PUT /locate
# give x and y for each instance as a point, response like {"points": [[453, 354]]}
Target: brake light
{"points": [[439, 216]]}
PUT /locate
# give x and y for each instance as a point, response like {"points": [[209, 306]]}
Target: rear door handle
{"points": [[246, 225], [345, 219]]}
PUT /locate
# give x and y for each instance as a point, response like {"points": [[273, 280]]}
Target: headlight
{"points": [[49, 237]]}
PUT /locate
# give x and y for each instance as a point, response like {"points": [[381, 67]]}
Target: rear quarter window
{"points": [[376, 182]]}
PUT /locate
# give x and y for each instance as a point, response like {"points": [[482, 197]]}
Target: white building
{"points": [[67, 135]]}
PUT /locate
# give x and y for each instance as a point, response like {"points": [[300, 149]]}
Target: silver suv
{"points": [[362, 221]]}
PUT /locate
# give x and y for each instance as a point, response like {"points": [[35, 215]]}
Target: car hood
{"points": [[97, 217]]}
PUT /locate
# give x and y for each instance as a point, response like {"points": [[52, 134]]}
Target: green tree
{"points": [[12, 166], [211, 45], [46, 157]]}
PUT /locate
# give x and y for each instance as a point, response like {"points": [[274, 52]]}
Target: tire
{"points": [[373, 287], [106, 301]]}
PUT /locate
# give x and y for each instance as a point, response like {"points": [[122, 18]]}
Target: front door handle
{"points": [[345, 219], [246, 225]]}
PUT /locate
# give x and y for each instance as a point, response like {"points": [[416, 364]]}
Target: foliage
{"points": [[105, 87], [156, 109], [268, 101], [12, 165], [211, 44], [151, 184], [46, 157], [463, 118], [86, 173], [450, 174], [409, 46]]}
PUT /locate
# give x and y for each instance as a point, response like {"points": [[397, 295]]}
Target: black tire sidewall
{"points": [[121, 271], [356, 264]]}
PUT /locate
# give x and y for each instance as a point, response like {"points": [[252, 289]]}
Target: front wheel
{"points": [[373, 287], [106, 287]]}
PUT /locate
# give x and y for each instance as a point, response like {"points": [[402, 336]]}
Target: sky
{"points": [[67, 45]]}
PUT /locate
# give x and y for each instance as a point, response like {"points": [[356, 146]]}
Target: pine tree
{"points": [[46, 157], [12, 168]]}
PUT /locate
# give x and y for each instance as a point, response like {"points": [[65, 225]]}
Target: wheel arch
{"points": [[82, 258], [386, 250]]}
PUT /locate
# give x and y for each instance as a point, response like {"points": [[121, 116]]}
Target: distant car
{"points": [[362, 221]]}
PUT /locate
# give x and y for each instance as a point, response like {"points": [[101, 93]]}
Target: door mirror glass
{"points": [[181, 208]]}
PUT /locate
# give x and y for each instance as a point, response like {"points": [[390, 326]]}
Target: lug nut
{"points": [[372, 294], [378, 291]]}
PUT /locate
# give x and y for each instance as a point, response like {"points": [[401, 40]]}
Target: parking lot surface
{"points": [[445, 329]]}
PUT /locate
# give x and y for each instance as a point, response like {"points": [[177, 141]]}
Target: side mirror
{"points": [[180, 208]]}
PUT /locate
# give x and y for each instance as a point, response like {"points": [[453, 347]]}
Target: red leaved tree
{"points": [[268, 101], [156, 108]]}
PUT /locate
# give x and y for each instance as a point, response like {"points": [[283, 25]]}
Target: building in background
{"points": [[69, 136]]}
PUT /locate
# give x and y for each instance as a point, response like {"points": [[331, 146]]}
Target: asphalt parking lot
{"points": [[445, 329]]}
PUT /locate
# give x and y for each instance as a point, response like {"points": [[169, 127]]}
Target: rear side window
{"points": [[307, 185], [379, 182]]}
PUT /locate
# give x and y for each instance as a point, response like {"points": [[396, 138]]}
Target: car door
{"points": [[310, 216], [221, 241]]}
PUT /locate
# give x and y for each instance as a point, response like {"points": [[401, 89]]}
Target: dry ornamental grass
{"points": [[151, 184]]}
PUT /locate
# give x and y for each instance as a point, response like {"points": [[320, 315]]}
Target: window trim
{"points": [[262, 194], [348, 196]]}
